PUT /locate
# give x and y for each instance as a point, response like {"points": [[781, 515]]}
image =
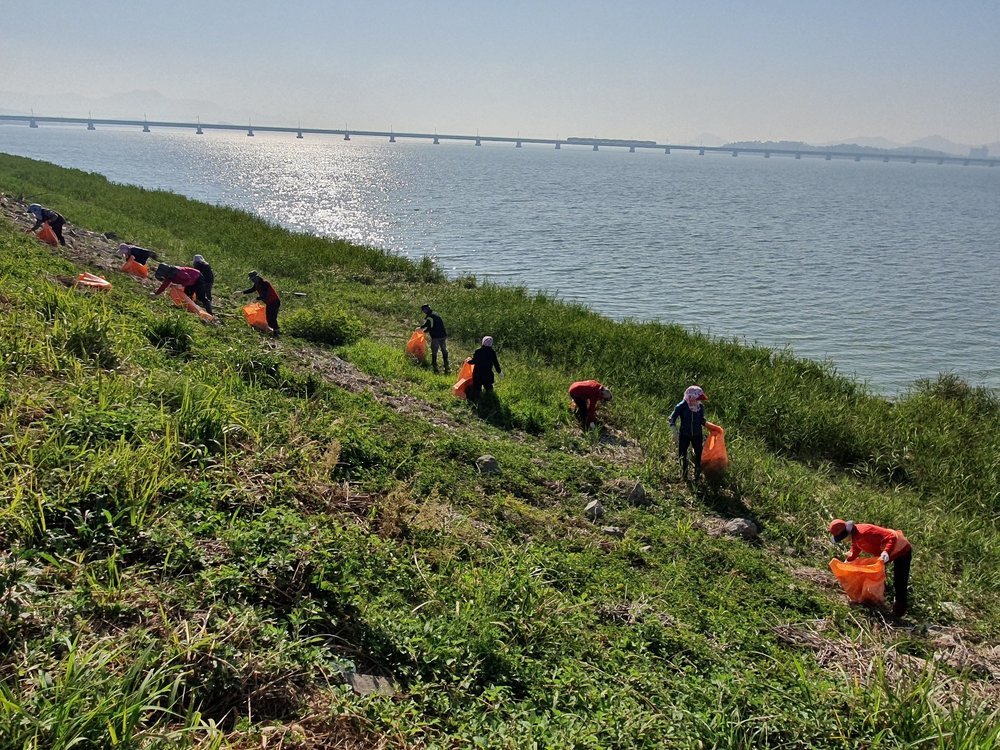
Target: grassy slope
{"points": [[210, 530]]}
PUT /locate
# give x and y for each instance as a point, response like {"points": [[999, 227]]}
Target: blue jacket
{"points": [[691, 421]]}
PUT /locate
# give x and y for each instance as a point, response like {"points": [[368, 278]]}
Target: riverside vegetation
{"points": [[204, 533]]}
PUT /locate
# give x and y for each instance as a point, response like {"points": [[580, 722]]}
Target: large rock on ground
{"points": [[638, 496], [487, 465], [744, 528], [594, 510]]}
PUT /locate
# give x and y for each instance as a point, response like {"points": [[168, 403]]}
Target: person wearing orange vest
{"points": [[265, 293], [888, 544], [586, 395]]}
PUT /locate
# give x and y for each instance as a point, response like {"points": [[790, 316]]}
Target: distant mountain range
{"points": [[934, 145]]}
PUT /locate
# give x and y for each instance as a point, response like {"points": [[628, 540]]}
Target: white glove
{"points": [[884, 557]]}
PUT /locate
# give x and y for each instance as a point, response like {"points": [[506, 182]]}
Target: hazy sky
{"points": [[802, 69]]}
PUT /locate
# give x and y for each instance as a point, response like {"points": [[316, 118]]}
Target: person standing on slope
{"points": [[888, 544], [204, 292], [692, 418], [484, 362], [439, 337]]}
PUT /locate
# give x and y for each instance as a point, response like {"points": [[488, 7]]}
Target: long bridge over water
{"points": [[595, 144]]}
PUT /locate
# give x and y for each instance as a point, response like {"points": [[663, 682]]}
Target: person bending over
{"points": [[888, 544], [587, 395], [48, 216], [265, 293], [484, 362]]}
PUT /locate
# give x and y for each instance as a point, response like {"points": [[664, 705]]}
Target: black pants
{"points": [[696, 442], [901, 581], [442, 344], [271, 313], [586, 411], [476, 388], [57, 226], [200, 292]]}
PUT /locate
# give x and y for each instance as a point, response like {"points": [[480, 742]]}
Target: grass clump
{"points": [[323, 325], [174, 333]]}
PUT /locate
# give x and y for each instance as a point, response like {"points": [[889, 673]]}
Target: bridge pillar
{"points": [[767, 154], [32, 123], [250, 133], [940, 161], [828, 157], [436, 141], [857, 158], [596, 148], [965, 163], [798, 155], [885, 159], [517, 145], [913, 160], [631, 149], [479, 141], [666, 150], [145, 127], [701, 152], [299, 135], [392, 137], [347, 136], [90, 126], [736, 153], [199, 131], [559, 148]]}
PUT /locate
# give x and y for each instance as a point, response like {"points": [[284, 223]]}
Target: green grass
{"points": [[204, 530]]}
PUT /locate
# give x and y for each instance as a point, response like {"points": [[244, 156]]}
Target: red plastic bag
{"points": [[182, 300], [133, 268], [863, 580], [416, 347], [93, 283], [256, 316], [464, 380], [714, 459], [46, 235]]}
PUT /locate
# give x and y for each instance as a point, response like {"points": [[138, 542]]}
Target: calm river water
{"points": [[890, 271]]}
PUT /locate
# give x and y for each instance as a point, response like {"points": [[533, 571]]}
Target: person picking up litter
{"points": [[586, 395], [888, 544], [207, 281], [484, 361], [48, 216], [439, 337], [266, 294], [692, 418], [187, 278], [139, 254]]}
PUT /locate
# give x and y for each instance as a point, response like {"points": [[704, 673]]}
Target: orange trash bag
{"points": [[464, 380], [133, 268], [182, 300], [863, 580], [416, 347], [46, 235], [714, 459], [256, 316], [91, 282]]}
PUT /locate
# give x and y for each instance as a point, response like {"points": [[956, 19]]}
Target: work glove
{"points": [[884, 557]]}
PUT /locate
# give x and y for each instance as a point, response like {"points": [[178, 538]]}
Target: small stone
{"points": [[366, 684], [637, 496], [741, 527], [487, 465], [954, 610], [594, 510], [615, 531]]}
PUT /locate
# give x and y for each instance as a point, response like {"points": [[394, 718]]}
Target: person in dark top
{"points": [[692, 417], [203, 292], [50, 217], [139, 254], [484, 361], [266, 294], [439, 337]]}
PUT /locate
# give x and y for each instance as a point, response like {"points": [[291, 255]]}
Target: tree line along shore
{"points": [[214, 539]]}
